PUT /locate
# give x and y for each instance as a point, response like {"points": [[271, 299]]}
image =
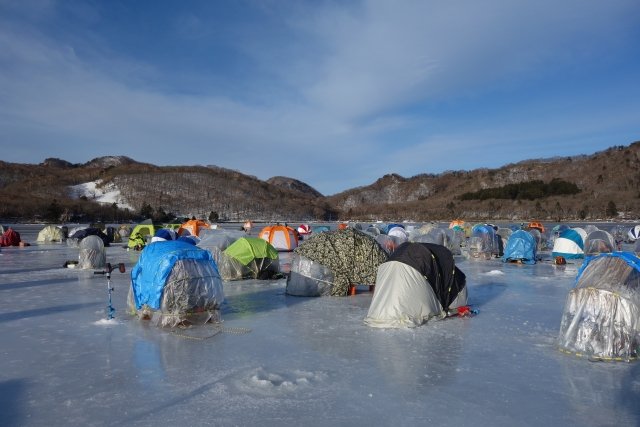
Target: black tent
{"points": [[436, 263]]}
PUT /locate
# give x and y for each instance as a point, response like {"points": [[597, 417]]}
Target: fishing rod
{"points": [[108, 269]]}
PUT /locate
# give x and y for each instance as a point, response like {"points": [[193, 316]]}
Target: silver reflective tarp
{"points": [[601, 318]]}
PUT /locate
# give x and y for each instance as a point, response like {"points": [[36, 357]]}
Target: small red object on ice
{"points": [[464, 311]]}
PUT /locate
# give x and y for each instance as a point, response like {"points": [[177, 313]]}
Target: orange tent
{"points": [[538, 225], [281, 237], [342, 226], [457, 222], [193, 227]]}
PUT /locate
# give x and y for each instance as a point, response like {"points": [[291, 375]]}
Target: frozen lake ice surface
{"points": [[282, 360]]}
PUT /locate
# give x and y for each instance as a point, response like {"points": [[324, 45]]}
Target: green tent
{"points": [[249, 258]]}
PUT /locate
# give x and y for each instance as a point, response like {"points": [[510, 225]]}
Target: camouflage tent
{"points": [[352, 256]]}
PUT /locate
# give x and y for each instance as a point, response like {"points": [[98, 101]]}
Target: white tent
{"points": [[50, 233]]}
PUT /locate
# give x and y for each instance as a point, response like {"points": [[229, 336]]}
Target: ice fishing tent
{"points": [[50, 233], [372, 230], [521, 248], [419, 281], [483, 242], [391, 226], [308, 278], [164, 234], [281, 237], [320, 228], [92, 253], [249, 258], [599, 241], [216, 241], [142, 234], [175, 283], [435, 235], [536, 225], [10, 237], [77, 237], [193, 227], [634, 233], [399, 233], [601, 318], [304, 229], [457, 223], [568, 244], [388, 243], [351, 256]]}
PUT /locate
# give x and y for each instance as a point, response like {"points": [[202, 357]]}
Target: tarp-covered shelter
{"points": [[249, 258], [92, 253], [568, 244], [281, 237], [419, 281], [521, 248], [76, 238], [10, 237], [601, 318], [217, 240], [50, 233], [599, 241], [388, 243], [352, 256], [176, 283], [484, 242], [308, 278]]}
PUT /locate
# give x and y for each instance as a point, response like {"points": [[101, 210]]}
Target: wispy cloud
{"points": [[335, 95]]}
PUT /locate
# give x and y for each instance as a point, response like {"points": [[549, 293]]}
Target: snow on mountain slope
{"points": [[107, 194]]}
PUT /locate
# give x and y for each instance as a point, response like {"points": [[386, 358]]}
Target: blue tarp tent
{"points": [[521, 246], [174, 280]]}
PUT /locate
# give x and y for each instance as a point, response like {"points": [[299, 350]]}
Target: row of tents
{"points": [[176, 281]]}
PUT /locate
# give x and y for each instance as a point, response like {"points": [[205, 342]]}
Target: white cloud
{"points": [[340, 88]]}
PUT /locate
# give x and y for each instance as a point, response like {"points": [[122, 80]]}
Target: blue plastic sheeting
{"points": [[149, 275], [521, 247], [629, 257]]}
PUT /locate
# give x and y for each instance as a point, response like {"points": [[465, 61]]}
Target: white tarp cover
{"points": [[92, 253], [601, 317], [308, 278]]}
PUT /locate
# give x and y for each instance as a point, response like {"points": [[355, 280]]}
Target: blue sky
{"points": [[333, 93]]}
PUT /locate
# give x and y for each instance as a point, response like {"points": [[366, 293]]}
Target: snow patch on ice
{"points": [[494, 273], [262, 382], [107, 194], [106, 322]]}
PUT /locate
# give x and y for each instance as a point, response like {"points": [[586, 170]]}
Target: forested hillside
{"points": [[598, 186]]}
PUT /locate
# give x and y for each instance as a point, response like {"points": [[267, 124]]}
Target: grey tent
{"points": [[418, 282]]}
